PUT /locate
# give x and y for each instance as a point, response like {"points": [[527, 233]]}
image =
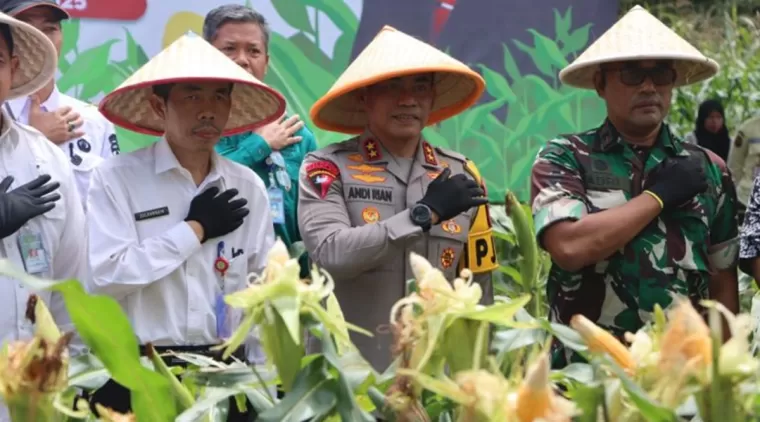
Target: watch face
{"points": [[421, 213]]}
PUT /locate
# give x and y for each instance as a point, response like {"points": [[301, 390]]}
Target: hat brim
{"points": [[37, 58], [60, 12], [455, 90], [689, 69], [129, 106]]}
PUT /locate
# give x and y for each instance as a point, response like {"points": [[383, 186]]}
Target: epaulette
{"points": [[451, 154]]}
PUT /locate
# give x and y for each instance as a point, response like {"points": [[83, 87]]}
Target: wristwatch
{"points": [[422, 216]]}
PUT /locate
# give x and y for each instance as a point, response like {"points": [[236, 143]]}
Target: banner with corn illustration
{"points": [[455, 359]]}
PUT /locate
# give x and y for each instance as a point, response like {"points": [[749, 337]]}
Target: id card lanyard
{"points": [[221, 265], [31, 245], [277, 177]]}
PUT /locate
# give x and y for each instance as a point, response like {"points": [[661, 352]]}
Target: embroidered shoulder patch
{"points": [[321, 174]]}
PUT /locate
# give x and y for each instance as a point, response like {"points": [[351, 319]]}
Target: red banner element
{"points": [[126, 10]]}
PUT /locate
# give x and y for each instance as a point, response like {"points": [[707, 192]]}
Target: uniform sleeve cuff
{"points": [[184, 239], [400, 227], [724, 255], [559, 210]]}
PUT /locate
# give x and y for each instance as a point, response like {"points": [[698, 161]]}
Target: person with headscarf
{"points": [[711, 131]]}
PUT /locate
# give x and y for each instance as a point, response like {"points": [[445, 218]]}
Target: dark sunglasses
{"points": [[635, 76]]}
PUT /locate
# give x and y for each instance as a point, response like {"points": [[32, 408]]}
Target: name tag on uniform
{"points": [[276, 205], [33, 252], [147, 215]]}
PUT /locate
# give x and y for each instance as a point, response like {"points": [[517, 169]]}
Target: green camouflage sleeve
{"points": [[724, 232], [557, 191]]}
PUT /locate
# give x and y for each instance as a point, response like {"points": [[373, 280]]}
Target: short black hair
{"points": [[5, 32], [162, 91]]}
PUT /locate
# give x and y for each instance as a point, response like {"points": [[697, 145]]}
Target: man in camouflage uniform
{"points": [[629, 213], [366, 203], [744, 159]]}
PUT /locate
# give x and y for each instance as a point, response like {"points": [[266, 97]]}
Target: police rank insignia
{"points": [[450, 226], [321, 174], [370, 215], [447, 257], [372, 150], [429, 154]]}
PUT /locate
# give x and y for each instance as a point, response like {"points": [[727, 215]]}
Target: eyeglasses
{"points": [[635, 76]]}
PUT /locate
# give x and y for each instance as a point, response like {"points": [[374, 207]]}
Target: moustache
{"points": [[650, 101], [206, 126]]}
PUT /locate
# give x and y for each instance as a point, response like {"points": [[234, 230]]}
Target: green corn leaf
{"points": [[293, 12]]}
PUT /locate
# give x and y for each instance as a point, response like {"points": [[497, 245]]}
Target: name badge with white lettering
{"points": [[374, 194], [147, 215]]}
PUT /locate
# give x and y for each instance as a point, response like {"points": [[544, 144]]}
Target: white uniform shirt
{"points": [[156, 267], [98, 143], [26, 154]]}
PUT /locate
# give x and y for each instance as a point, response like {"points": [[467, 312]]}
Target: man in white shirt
{"points": [[78, 128], [41, 220], [164, 220]]}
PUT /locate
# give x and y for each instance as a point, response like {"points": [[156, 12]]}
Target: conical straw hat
{"points": [[639, 36], [37, 57], [391, 54], [191, 58]]}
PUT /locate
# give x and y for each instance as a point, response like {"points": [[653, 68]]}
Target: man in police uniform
{"points": [[368, 202], [628, 212], [744, 159], [85, 136]]}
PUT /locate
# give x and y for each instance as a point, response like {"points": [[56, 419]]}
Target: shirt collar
{"points": [[608, 137], [165, 160], [20, 106]]}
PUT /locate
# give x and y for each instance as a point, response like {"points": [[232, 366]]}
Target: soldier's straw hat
{"points": [[391, 54], [191, 59], [37, 58], [639, 36]]}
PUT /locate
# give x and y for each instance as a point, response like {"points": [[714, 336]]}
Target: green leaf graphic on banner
{"points": [[136, 56], [338, 12], [70, 30], [88, 65], [294, 13]]}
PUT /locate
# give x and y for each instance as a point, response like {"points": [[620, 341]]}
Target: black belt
{"points": [[204, 350]]}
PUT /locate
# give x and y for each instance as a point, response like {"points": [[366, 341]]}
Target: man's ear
{"points": [[158, 105], [599, 83], [14, 65]]}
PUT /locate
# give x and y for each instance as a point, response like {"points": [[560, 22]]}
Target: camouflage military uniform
{"points": [[594, 171]]}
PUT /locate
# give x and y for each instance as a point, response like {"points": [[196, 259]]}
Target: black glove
{"points": [[450, 196], [677, 179], [24, 203], [217, 214]]}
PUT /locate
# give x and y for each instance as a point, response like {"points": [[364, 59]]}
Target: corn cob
{"points": [[32, 371], [109, 415], [534, 397], [600, 341], [526, 242], [686, 338]]}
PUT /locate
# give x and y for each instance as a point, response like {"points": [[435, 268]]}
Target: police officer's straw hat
{"points": [[639, 36], [191, 59], [391, 54], [37, 57]]}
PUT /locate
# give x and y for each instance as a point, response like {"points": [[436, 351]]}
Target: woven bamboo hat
{"points": [[37, 58], [391, 54], [639, 36], [191, 59]]}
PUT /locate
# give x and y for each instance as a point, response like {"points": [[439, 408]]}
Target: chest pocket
{"points": [[688, 248], [368, 204], [446, 243], [154, 219]]}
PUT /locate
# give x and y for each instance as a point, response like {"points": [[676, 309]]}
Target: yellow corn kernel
{"points": [[600, 341], [686, 338], [534, 397]]}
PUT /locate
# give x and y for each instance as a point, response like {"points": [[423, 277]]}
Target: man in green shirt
{"points": [[275, 151], [629, 213]]}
